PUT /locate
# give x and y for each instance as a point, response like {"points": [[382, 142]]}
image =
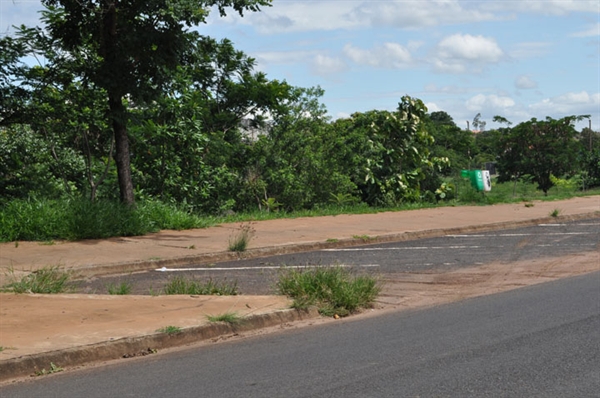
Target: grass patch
{"points": [[238, 241], [47, 280], [364, 238], [555, 213], [231, 318], [46, 220], [75, 219], [333, 290], [119, 289], [182, 285], [53, 369], [169, 330]]}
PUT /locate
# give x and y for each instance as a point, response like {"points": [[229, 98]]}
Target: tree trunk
{"points": [[118, 114], [122, 159]]}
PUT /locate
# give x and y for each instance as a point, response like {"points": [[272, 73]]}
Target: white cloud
{"points": [[283, 57], [495, 104], [580, 103], [419, 14], [525, 82], [389, 55], [327, 15], [324, 65], [461, 53], [543, 7], [592, 31]]}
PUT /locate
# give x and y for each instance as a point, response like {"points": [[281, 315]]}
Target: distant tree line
{"points": [[128, 103]]}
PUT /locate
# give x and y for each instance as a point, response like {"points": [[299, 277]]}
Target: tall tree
{"points": [[132, 49], [539, 148]]}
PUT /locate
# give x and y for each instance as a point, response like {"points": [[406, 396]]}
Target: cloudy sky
{"points": [[514, 58]]}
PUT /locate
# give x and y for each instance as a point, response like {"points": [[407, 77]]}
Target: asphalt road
{"points": [[538, 341], [258, 276]]}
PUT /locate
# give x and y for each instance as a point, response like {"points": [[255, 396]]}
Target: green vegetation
{"points": [[555, 213], [229, 317], [94, 145], [75, 219], [119, 289], [333, 290], [364, 238], [53, 369], [181, 285], [47, 280], [169, 330], [238, 241]]}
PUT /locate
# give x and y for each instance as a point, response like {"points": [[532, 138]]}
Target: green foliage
{"points": [[445, 191], [451, 142], [47, 280], [387, 154], [539, 148], [296, 162], [75, 219], [334, 290], [181, 285]]}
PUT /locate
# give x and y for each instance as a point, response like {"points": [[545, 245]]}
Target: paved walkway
{"points": [[74, 329]]}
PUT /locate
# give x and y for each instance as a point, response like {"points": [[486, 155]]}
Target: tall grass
{"points": [[181, 285], [334, 290], [43, 281], [76, 219]]}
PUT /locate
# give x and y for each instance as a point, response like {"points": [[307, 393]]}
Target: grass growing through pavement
{"points": [[181, 285], [119, 289], [333, 290], [44, 281], [169, 329], [238, 242], [53, 369], [229, 317]]}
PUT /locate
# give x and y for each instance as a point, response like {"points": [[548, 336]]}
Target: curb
{"points": [[129, 347], [208, 258]]}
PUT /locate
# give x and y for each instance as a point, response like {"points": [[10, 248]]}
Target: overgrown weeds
{"points": [[182, 285], [231, 318], [119, 289], [169, 330], [53, 369], [47, 280], [77, 219], [333, 290], [238, 241]]}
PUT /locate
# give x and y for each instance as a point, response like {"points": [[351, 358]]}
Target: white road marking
{"points": [[165, 269], [513, 235], [366, 249]]}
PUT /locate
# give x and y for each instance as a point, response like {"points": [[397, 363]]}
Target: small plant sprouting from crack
{"points": [[169, 330], [53, 369], [238, 242], [229, 317], [364, 238]]}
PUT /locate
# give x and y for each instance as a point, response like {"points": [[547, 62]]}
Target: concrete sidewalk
{"points": [[69, 330]]}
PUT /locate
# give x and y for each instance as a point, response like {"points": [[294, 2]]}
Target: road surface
{"points": [[537, 341]]}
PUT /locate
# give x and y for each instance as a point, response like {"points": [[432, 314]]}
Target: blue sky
{"points": [[518, 59]]}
